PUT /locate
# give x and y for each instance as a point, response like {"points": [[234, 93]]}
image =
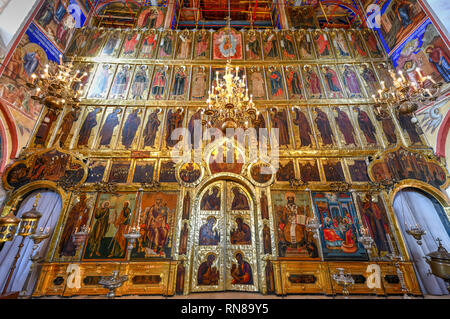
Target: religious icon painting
{"points": [[43, 132], [180, 83], [202, 44], [241, 271], [369, 79], [260, 124], [200, 83], [357, 43], [119, 172], [390, 133], [372, 43], [279, 121], [332, 83], [227, 44], [167, 172], [326, 137], [313, 85], [84, 78], [351, 81], [266, 239], [195, 127], [270, 45], [100, 84], [96, 170], [144, 171], [151, 18], [140, 84], [184, 45], [261, 173], [95, 43], [211, 202], [174, 120], [411, 132], [345, 128], [340, 44], [322, 43], [76, 217], [304, 45], [209, 234], [160, 83], [340, 226], [78, 42], [292, 211], [275, 83], [303, 129], [224, 158], [109, 224], [89, 127], [358, 170], [287, 44], [184, 236], [253, 45], [66, 129], [152, 128], [121, 83], [376, 222], [256, 83], [240, 201], [113, 44], [149, 44], [385, 74], [333, 170], [190, 173], [110, 128], [366, 126], [286, 171], [166, 45], [294, 83], [156, 225], [309, 170], [207, 273], [240, 232], [131, 128], [130, 44]]}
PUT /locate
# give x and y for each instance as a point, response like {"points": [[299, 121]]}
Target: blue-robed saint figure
{"points": [[208, 236]]}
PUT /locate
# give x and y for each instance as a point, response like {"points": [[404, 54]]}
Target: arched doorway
{"points": [[412, 207], [225, 250], [49, 205]]}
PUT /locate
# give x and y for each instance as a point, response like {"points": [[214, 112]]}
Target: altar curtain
{"points": [[414, 208], [49, 206]]}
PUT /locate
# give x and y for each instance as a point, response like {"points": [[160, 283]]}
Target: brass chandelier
{"points": [[407, 96], [229, 104], [58, 88]]}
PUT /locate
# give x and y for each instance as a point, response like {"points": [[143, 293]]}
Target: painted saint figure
{"points": [[369, 77], [119, 242], [242, 234], [184, 49], [106, 133], [313, 81], [100, 229], [199, 84], [322, 44], [208, 234], [440, 61], [287, 44], [257, 85], [240, 201], [305, 46], [276, 83], [294, 83], [66, 126], [332, 82], [78, 217], [351, 82], [207, 274], [366, 126], [166, 46], [174, 121], [151, 128], [89, 123], [253, 47], [303, 127], [120, 85], [211, 200], [279, 121], [130, 43], [140, 83], [341, 45], [180, 82], [323, 124], [148, 46], [201, 44], [267, 242], [346, 127], [270, 46], [264, 206], [99, 88], [130, 128], [159, 83], [183, 240], [242, 272]]}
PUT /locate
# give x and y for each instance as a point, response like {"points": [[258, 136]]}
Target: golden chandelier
{"points": [[229, 104]]}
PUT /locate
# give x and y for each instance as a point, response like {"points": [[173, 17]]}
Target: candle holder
{"points": [[365, 239], [313, 226], [132, 236], [344, 280], [396, 261], [79, 237], [112, 283], [35, 257], [417, 232]]}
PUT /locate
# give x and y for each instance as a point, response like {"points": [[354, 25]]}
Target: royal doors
{"points": [[224, 255]]}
